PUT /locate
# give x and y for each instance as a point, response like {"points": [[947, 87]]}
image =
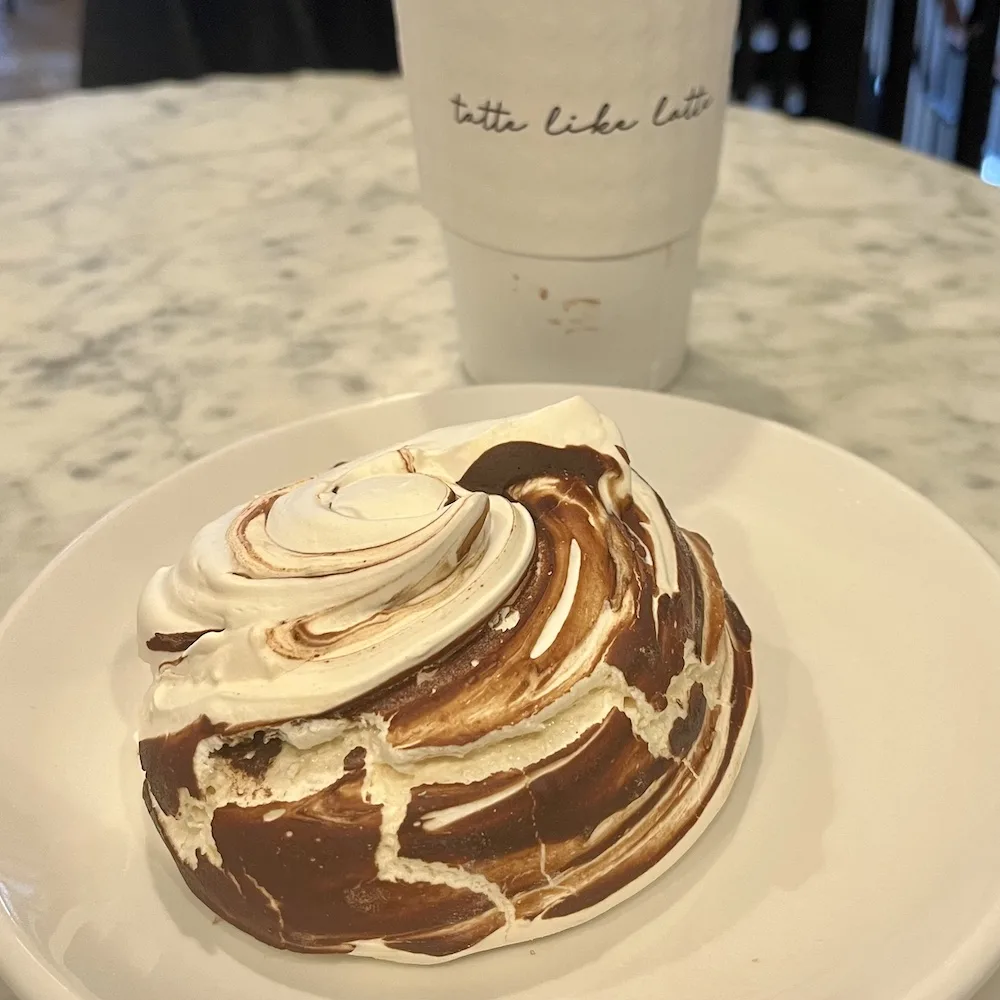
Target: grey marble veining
{"points": [[183, 265]]}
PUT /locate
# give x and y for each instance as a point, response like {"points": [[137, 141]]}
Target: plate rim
{"points": [[967, 968]]}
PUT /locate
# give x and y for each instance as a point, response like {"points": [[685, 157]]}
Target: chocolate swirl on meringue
{"points": [[457, 694]]}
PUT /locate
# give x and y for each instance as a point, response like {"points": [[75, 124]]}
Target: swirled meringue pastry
{"points": [[461, 693]]}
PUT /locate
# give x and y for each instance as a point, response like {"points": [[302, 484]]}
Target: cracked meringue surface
{"points": [[460, 693]]}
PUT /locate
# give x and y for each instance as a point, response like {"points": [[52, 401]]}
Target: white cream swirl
{"points": [[318, 592]]}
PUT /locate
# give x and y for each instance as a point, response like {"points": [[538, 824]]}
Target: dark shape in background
{"points": [[922, 71], [138, 41]]}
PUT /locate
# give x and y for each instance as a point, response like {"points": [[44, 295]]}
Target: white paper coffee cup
{"points": [[573, 144]]}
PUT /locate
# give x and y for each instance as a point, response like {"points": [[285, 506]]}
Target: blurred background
{"points": [[922, 72]]}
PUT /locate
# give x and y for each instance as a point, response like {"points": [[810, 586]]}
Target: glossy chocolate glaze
{"points": [[546, 829], [554, 838], [169, 763], [307, 881], [175, 642]]}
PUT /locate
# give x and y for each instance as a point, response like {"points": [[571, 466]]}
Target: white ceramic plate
{"points": [[858, 857]]}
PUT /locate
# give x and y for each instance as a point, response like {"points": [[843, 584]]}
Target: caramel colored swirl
{"points": [[326, 590], [463, 692]]}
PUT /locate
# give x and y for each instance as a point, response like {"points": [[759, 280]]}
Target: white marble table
{"points": [[184, 265]]}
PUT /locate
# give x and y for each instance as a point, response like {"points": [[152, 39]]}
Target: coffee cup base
{"points": [[611, 321]]}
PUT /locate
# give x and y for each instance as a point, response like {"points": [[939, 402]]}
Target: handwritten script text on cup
{"points": [[494, 116]]}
